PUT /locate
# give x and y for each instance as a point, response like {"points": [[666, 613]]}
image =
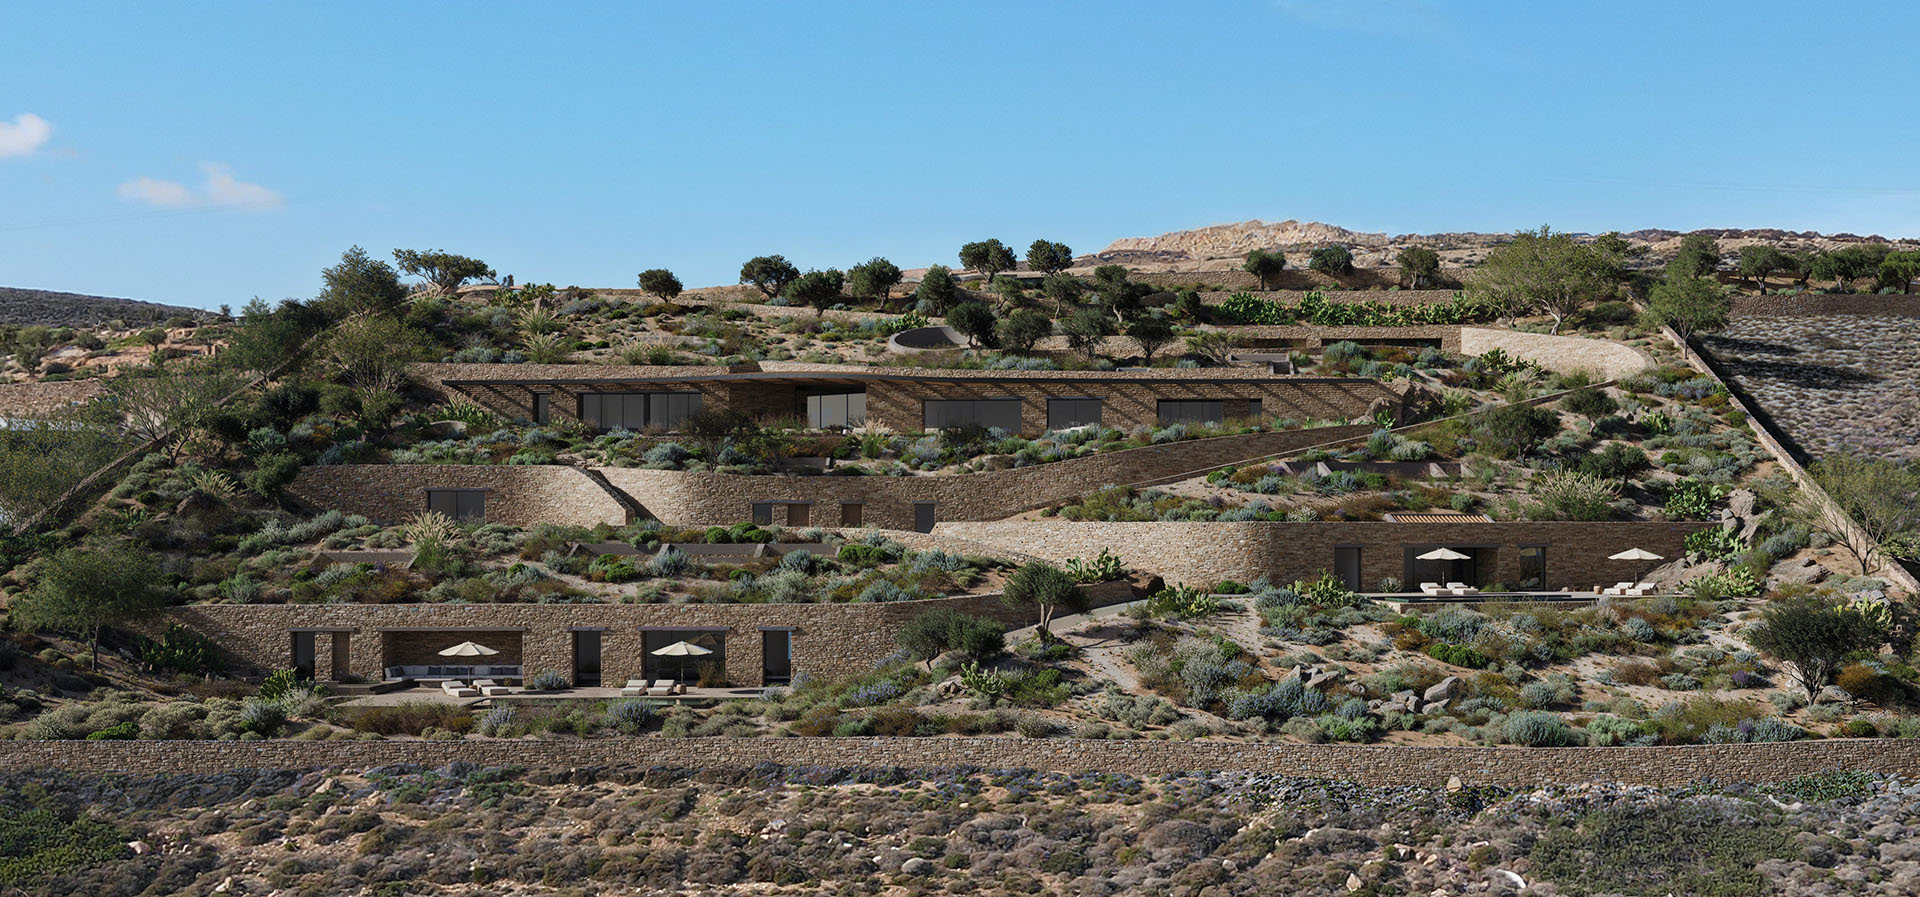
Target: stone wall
{"points": [[896, 396], [1603, 359], [1814, 305], [1380, 765], [360, 640], [1248, 284], [1197, 553], [690, 499], [899, 406], [518, 495], [1311, 338]]}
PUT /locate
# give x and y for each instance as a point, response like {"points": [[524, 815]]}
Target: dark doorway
{"points": [[586, 658], [923, 517], [1346, 566], [303, 654], [776, 653]]}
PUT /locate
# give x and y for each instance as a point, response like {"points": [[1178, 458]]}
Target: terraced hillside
{"points": [[1832, 382]]}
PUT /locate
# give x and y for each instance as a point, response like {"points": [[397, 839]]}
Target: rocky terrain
{"points": [[471, 831], [1832, 382], [56, 309], [1221, 247]]}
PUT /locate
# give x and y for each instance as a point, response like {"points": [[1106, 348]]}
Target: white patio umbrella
{"points": [[1636, 554], [1442, 554], [682, 650], [467, 649]]}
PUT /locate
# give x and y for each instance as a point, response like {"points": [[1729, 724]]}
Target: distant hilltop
{"points": [[1181, 249], [50, 308]]}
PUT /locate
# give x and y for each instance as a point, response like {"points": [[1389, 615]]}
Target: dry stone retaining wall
{"points": [[1379, 765], [38, 399], [1198, 553], [829, 640], [1817, 305], [518, 495], [688, 499]]}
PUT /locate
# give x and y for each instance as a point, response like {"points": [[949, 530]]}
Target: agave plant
{"points": [[546, 348], [537, 321], [212, 485]]}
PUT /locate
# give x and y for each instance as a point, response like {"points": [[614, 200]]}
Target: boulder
{"points": [[1805, 570], [916, 866], [1445, 690], [1433, 707], [448, 429]]}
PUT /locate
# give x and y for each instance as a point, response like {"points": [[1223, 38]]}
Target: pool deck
{"points": [[433, 694]]}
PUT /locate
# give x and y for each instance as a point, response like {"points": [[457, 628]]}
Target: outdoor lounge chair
{"points": [[635, 688], [1431, 588], [666, 687], [454, 688], [1461, 588], [1639, 590], [490, 688], [1619, 588]]}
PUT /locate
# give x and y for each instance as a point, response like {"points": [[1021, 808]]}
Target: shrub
{"points": [[1589, 402], [630, 717], [938, 631], [1618, 461], [1539, 729], [549, 680], [1510, 431], [411, 718], [262, 717], [1575, 495], [1691, 499], [277, 684], [1458, 655]]}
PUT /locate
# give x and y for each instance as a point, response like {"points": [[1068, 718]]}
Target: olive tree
{"points": [[873, 279], [937, 290], [360, 283], [1418, 265], [1045, 588], [1265, 265], [819, 289], [660, 282], [1545, 272], [443, 271], [1814, 637], [1063, 289], [1878, 504], [1331, 260], [1151, 333], [975, 320], [989, 257], [84, 590], [1698, 256], [1019, 331], [1689, 305], [1086, 331], [770, 274], [1048, 257], [1758, 260]]}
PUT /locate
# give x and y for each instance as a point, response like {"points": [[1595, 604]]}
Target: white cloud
{"points": [[220, 189], [156, 192], [23, 135]]}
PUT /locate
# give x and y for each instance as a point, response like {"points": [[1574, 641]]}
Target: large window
{"points": [[1064, 414], [845, 409], [637, 410], [1183, 411], [460, 504], [1004, 413], [1533, 569]]}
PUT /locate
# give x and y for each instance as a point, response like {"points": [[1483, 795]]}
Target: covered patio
{"points": [[438, 653]]}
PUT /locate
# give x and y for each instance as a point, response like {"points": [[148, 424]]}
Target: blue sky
{"points": [[206, 153]]}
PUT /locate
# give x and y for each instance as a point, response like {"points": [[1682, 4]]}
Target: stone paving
{"points": [[1831, 382]]}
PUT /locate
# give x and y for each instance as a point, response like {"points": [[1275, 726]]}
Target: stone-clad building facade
{"points": [[898, 399]]}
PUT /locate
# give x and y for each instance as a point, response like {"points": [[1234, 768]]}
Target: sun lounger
{"points": [[491, 688], [635, 688], [1461, 588], [454, 688], [1639, 590], [666, 687], [1619, 588], [1432, 588]]}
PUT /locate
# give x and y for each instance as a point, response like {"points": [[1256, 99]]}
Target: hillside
{"points": [[20, 306], [1222, 246]]}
